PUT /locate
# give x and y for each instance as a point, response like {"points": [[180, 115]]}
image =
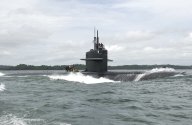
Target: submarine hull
{"points": [[131, 76]]}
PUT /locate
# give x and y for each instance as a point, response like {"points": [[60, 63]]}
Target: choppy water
{"points": [[56, 98]]}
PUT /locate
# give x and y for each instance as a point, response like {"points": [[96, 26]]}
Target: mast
{"points": [[97, 40], [94, 40]]}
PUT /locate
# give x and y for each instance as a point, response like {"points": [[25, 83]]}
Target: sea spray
{"points": [[178, 75], [2, 87], [162, 70], [2, 74], [11, 119], [79, 77], [139, 76]]}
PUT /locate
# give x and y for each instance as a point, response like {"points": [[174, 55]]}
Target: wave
{"points": [[79, 77], [10, 119], [2, 87], [15, 76], [178, 75], [162, 70], [154, 71], [2, 74], [138, 77]]}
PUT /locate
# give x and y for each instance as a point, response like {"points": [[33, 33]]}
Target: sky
{"points": [[59, 32]]}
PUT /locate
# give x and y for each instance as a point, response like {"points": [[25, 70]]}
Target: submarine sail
{"points": [[97, 58]]}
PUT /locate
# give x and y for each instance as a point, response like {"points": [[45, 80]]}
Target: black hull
{"points": [[132, 76]]}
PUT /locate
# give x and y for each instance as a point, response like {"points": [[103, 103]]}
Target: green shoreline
{"points": [[82, 67]]}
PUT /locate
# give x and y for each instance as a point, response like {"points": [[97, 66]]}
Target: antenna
{"points": [[94, 40], [97, 39]]}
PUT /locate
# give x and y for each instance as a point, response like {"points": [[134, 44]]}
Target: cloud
{"points": [[139, 35], [190, 35], [157, 50], [60, 32], [5, 53], [114, 48]]}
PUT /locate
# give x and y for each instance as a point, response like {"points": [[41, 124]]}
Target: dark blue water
{"points": [[55, 98]]}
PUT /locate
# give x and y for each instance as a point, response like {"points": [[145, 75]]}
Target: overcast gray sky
{"points": [[56, 32]]}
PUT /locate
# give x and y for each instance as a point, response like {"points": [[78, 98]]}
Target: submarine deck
{"points": [[112, 72]]}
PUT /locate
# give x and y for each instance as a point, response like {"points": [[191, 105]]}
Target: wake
{"points": [[10, 119], [155, 71], [2, 74], [162, 70], [79, 77]]}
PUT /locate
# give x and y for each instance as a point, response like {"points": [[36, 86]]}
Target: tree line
{"points": [[42, 67], [82, 67]]}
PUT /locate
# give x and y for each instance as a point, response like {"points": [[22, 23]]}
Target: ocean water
{"points": [[57, 98]]}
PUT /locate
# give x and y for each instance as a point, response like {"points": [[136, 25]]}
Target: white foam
{"points": [[62, 123], [22, 76], [154, 70], [2, 87], [139, 76], [6, 76], [162, 70], [2, 74], [79, 77], [11, 119], [178, 75]]}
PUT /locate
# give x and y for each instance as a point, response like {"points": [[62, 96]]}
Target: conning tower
{"points": [[96, 59]]}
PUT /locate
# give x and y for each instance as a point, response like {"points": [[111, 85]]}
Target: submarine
{"points": [[96, 61]]}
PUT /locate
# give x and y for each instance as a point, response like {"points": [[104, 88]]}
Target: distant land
{"points": [[82, 67]]}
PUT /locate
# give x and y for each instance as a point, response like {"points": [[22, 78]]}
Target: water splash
{"points": [[2, 87], [2, 74], [11, 119], [162, 70], [79, 77], [178, 75], [154, 70], [139, 76]]}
